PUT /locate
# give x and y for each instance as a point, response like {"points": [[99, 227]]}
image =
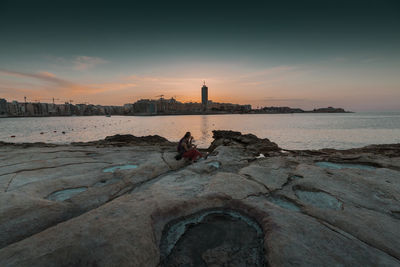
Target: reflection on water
{"points": [[297, 131], [205, 130]]}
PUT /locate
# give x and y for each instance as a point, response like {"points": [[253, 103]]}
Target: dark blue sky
{"points": [[201, 27]]}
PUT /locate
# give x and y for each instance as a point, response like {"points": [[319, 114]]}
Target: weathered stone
{"points": [[128, 138], [22, 216], [273, 173], [213, 238], [232, 184], [59, 207], [249, 141]]}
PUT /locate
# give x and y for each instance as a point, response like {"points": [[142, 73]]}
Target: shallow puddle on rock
{"points": [[338, 166], [213, 238], [120, 167], [65, 194], [283, 203], [319, 199], [214, 164]]}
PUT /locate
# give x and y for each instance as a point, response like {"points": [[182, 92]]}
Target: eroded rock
{"points": [[308, 215], [318, 199], [338, 166], [249, 141], [213, 238]]}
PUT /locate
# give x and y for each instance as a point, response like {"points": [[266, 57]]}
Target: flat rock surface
{"points": [[126, 201]]}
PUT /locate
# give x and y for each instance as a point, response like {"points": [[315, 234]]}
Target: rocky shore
{"points": [[126, 201]]}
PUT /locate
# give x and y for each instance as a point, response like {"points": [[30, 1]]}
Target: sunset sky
{"points": [[302, 54]]}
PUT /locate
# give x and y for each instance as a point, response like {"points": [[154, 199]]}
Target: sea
{"points": [[289, 131]]}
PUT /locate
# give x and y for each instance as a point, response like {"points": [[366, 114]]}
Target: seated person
{"points": [[187, 150]]}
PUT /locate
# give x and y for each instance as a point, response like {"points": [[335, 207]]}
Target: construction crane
{"points": [[161, 96], [55, 99]]}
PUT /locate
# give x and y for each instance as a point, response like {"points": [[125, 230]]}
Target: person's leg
{"points": [[196, 155], [192, 154], [189, 154]]}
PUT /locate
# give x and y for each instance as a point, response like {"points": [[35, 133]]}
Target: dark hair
{"points": [[187, 134]]}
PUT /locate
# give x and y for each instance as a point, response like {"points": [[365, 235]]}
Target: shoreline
{"points": [[129, 140], [180, 114]]}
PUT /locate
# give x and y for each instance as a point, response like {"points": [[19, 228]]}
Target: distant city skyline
{"points": [[302, 54]]}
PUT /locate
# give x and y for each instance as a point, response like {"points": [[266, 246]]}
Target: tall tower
{"points": [[204, 96]]}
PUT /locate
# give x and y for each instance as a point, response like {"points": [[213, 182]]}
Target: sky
{"points": [[304, 54]]}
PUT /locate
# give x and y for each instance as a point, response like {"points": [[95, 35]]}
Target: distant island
{"points": [[280, 110]]}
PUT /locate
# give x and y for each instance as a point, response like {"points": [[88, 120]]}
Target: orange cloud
{"points": [[261, 86], [224, 86], [44, 84], [46, 74]]}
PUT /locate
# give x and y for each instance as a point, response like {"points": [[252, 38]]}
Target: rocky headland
{"points": [[126, 201]]}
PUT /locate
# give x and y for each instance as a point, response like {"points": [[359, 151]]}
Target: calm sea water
{"points": [[290, 131]]}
